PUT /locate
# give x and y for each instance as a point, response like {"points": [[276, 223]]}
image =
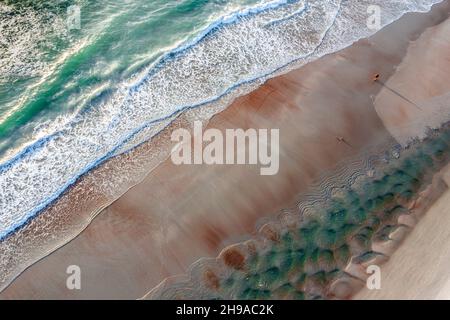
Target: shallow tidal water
{"points": [[305, 254], [72, 99]]}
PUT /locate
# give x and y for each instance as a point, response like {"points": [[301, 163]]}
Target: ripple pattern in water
{"points": [[311, 255], [247, 46]]}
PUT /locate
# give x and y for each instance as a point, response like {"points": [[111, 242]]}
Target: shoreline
{"points": [[131, 141], [275, 86]]}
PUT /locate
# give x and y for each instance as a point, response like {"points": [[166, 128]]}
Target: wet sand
{"points": [[426, 86], [419, 268], [175, 216]]}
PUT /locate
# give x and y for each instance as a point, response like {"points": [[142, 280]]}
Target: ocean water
{"points": [[72, 98]]}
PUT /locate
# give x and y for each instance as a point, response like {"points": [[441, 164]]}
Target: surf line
{"points": [[237, 146]]}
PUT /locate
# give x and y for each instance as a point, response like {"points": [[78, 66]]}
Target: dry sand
{"points": [[419, 268], [423, 77], [179, 214]]}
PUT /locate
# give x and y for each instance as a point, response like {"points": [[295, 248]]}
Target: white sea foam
{"points": [[23, 35], [251, 45]]}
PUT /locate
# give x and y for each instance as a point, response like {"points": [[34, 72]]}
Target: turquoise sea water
{"points": [[71, 97], [115, 39]]}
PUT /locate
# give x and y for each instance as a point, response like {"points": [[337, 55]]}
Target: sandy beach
{"points": [[330, 113], [418, 269]]}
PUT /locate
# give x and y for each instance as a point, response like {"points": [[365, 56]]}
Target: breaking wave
{"points": [[248, 46]]}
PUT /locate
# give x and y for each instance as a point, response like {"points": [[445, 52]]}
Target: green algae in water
{"points": [[302, 263]]}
